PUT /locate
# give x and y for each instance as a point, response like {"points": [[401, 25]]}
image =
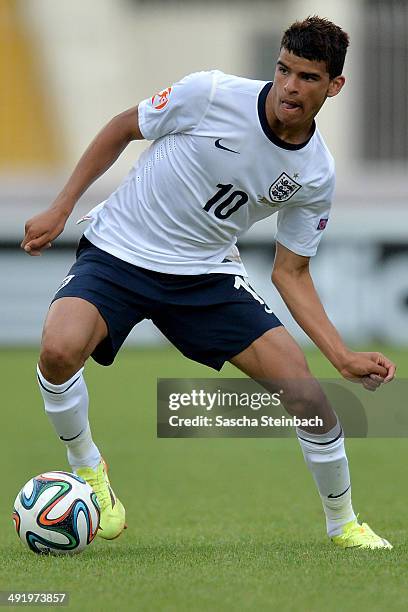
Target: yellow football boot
{"points": [[359, 536], [112, 520]]}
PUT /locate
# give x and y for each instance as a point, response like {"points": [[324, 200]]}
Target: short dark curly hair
{"points": [[318, 39]]}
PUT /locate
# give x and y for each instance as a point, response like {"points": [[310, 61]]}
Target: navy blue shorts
{"points": [[208, 317]]}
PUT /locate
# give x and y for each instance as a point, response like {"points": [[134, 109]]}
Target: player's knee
{"points": [[300, 366], [304, 398], [59, 360]]}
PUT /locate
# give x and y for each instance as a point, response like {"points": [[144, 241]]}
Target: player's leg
{"points": [[276, 357], [72, 331], [239, 327], [94, 309], [238, 319], [73, 328]]}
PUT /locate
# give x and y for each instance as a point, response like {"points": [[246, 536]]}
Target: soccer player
{"points": [[227, 152]]}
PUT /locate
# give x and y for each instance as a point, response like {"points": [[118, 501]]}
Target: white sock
{"points": [[67, 407], [325, 457]]}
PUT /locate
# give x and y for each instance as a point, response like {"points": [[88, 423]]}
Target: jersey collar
{"points": [[267, 129]]}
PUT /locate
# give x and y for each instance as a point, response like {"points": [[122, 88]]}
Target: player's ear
{"points": [[335, 86]]}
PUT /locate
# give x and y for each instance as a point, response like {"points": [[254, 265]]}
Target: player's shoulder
{"points": [[201, 79], [237, 84], [214, 89], [217, 79]]}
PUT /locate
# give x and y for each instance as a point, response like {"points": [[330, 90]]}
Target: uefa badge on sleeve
{"points": [[161, 99], [322, 224]]}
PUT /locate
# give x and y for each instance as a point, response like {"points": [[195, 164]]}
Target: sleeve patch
{"points": [[322, 224], [161, 99]]}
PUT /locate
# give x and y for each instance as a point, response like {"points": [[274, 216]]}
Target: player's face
{"points": [[300, 88]]}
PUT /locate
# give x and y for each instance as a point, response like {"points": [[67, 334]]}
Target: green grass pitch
{"points": [[214, 524]]}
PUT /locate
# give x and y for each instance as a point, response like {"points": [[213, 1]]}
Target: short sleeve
{"points": [[300, 227], [179, 108]]}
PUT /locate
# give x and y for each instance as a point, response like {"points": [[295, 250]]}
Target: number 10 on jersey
{"points": [[223, 198]]}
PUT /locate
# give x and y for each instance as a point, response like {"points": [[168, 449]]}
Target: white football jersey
{"points": [[214, 169]]}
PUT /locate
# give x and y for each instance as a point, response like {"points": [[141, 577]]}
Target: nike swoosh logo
{"points": [[220, 146], [331, 496], [70, 439]]}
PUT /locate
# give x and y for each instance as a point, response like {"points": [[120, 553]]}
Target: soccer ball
{"points": [[56, 513]]}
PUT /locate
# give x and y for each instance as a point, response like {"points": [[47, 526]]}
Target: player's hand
{"points": [[369, 369], [42, 229]]}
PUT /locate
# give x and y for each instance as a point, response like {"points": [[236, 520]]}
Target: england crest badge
{"points": [[283, 188]]}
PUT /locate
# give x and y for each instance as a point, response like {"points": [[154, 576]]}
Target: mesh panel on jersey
{"points": [[166, 147]]}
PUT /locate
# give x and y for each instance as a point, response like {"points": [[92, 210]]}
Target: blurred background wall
{"points": [[67, 67]]}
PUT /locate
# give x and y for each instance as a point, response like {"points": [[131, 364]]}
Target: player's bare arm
{"points": [[103, 151], [292, 278]]}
